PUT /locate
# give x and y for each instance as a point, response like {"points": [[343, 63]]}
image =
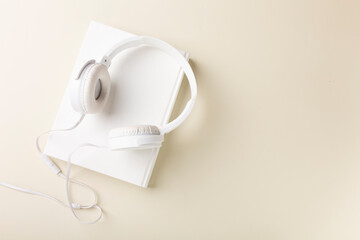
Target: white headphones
{"points": [[89, 94], [90, 91]]}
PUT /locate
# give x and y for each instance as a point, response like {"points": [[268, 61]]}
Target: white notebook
{"points": [[145, 84]]}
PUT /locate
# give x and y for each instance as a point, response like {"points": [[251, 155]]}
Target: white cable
{"points": [[32, 192], [68, 180], [57, 130]]}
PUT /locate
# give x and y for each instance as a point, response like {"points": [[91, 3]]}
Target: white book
{"points": [[145, 83]]}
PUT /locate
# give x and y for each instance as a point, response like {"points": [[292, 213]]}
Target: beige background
{"points": [[271, 150]]}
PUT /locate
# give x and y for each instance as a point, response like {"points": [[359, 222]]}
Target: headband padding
{"points": [[134, 131], [92, 74]]}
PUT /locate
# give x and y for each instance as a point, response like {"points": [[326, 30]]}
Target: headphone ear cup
{"points": [[90, 93], [134, 131], [135, 137]]}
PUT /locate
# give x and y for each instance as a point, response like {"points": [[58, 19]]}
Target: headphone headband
{"points": [[174, 53]]}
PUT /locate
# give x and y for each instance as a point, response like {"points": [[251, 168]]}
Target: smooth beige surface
{"points": [[271, 150]]}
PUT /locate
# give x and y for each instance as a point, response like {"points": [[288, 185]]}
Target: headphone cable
{"points": [[71, 205]]}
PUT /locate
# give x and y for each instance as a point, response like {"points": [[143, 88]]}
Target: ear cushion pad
{"points": [[89, 79], [134, 131]]}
